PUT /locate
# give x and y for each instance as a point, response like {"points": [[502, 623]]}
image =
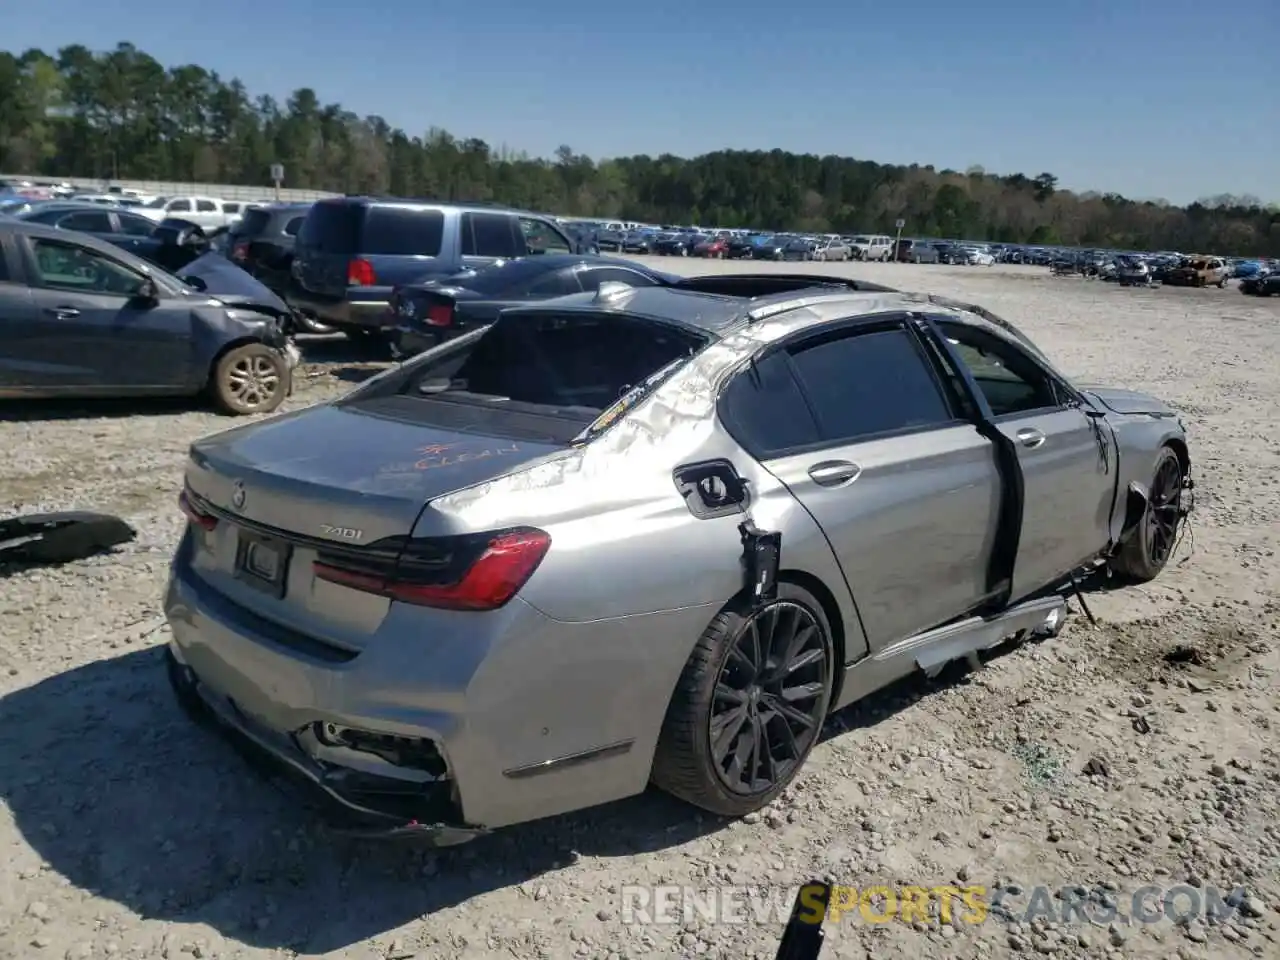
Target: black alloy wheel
{"points": [[769, 699], [1164, 515]]}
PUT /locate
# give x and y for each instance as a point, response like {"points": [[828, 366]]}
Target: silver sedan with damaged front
{"points": [[645, 535]]}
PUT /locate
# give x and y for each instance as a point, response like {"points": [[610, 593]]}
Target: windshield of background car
{"points": [[571, 366]]}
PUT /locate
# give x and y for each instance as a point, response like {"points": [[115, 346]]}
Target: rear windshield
{"points": [[571, 366], [492, 281], [373, 230], [253, 223]]}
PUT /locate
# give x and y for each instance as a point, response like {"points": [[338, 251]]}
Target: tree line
{"points": [[122, 114]]}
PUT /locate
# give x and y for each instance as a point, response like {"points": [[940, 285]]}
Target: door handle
{"points": [[1030, 437], [63, 313], [834, 473]]}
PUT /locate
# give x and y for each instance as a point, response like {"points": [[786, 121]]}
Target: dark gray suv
{"points": [[351, 252]]}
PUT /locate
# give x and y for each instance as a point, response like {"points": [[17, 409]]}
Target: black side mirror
{"points": [[147, 292]]}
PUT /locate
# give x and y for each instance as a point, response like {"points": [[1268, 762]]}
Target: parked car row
{"points": [[1169, 269]]}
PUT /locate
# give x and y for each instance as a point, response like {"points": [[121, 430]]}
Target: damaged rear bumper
{"points": [[354, 803]]}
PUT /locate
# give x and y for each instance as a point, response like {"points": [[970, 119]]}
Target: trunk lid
{"points": [[326, 481]]}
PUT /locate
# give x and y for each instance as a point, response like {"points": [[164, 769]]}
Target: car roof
{"points": [[476, 206], [792, 311]]}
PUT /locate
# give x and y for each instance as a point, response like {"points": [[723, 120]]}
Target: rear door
{"points": [[133, 232], [99, 336], [856, 424], [1068, 461]]}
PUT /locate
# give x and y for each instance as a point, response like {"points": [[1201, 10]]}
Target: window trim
{"points": [[839, 330], [1068, 397]]}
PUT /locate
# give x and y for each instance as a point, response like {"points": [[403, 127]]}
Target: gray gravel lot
{"points": [[126, 832]]}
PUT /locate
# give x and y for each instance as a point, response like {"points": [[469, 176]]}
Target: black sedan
{"points": [[1262, 285], [437, 309], [774, 248]]}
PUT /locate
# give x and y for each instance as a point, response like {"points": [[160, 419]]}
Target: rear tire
{"points": [[1149, 548], [254, 378], [726, 746]]}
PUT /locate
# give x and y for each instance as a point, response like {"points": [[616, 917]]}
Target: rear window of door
{"points": [[179, 206], [490, 235], [206, 206], [401, 231], [866, 384]]}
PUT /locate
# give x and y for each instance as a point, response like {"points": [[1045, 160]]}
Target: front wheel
{"points": [[749, 705], [1149, 548], [254, 378]]}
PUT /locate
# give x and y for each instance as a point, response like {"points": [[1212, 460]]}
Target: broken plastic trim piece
{"points": [[761, 559], [803, 935]]}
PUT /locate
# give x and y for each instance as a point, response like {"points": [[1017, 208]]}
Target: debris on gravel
{"points": [[1110, 792]]}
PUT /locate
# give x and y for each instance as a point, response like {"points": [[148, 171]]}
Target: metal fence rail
{"points": [[220, 191]]}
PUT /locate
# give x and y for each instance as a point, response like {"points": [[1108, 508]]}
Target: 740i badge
{"points": [[341, 533]]}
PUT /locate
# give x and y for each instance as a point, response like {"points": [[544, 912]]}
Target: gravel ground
{"points": [[1137, 752]]}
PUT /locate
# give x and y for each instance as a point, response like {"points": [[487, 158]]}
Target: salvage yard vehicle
{"points": [[352, 251], [438, 309], [645, 535], [1261, 284], [1197, 272], [874, 247], [80, 317], [1133, 271], [915, 251]]}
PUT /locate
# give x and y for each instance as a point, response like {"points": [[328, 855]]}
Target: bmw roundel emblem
{"points": [[238, 495]]}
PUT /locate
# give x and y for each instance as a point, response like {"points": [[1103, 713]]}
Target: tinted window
{"points": [[231, 208], [179, 206], [332, 227], [1010, 380], [401, 231], [136, 226], [489, 235], [764, 410], [88, 221], [291, 228], [253, 223], [541, 237], [591, 279], [577, 364], [4, 264], [67, 266], [864, 384], [206, 206]]}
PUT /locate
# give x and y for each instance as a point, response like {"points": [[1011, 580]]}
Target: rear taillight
{"points": [[360, 274], [240, 252], [440, 315], [468, 574], [192, 511]]}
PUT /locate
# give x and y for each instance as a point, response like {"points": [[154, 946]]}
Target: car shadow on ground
{"points": [[342, 349], [120, 793]]}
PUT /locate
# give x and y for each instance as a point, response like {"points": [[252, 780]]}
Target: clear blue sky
{"points": [[1149, 98]]}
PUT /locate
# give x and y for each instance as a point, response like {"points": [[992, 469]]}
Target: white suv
{"points": [[872, 247]]}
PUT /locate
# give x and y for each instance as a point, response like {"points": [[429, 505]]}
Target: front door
{"points": [[1067, 460], [906, 492], [100, 336]]}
